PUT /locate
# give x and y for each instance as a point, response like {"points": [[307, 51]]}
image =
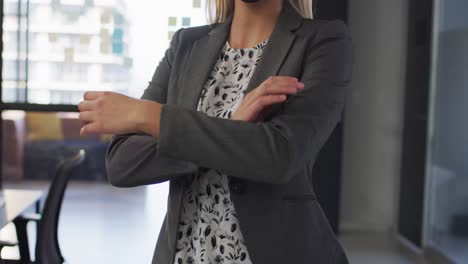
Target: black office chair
{"points": [[47, 246]]}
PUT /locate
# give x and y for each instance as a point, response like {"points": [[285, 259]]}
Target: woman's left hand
{"points": [[114, 113]]}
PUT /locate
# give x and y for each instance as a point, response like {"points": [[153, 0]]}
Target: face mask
{"points": [[250, 1]]}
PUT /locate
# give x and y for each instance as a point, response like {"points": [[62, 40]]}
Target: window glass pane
{"points": [[449, 167], [79, 45]]}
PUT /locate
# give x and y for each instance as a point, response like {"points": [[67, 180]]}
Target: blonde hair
{"points": [[219, 10]]}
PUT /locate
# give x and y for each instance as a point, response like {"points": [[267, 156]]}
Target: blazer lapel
{"points": [[277, 48], [203, 57], [206, 50]]}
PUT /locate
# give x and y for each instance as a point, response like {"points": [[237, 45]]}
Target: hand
{"points": [[272, 91], [114, 113]]}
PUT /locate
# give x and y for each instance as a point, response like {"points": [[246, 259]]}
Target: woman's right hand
{"points": [[272, 91]]}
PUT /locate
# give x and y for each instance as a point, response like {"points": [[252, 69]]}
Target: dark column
{"points": [[331, 9], [411, 203]]}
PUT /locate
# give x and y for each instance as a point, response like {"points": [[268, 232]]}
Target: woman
{"points": [[234, 117]]}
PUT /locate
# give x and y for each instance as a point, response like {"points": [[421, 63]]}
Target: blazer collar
{"points": [[206, 50]]}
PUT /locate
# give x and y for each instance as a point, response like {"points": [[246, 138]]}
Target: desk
{"points": [[16, 203]]}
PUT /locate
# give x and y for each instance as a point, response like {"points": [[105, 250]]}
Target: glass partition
{"points": [[447, 223]]}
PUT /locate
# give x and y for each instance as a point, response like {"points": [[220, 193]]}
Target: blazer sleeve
{"points": [[132, 159], [275, 150]]}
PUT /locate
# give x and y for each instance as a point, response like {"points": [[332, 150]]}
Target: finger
{"points": [[91, 128], [86, 116], [283, 81], [288, 78], [270, 86], [281, 89], [83, 131], [274, 85], [272, 99], [267, 100], [275, 89], [85, 106], [91, 95], [281, 85]]}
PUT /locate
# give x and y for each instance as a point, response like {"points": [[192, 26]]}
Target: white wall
{"points": [[374, 115]]}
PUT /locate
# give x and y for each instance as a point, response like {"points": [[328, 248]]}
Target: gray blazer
{"points": [[269, 163]]}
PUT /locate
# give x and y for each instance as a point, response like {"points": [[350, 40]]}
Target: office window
{"points": [[448, 168], [62, 35]]}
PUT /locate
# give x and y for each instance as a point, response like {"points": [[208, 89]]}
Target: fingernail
{"points": [[301, 85]]}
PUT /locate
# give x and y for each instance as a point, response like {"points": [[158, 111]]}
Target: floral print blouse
{"points": [[209, 230]]}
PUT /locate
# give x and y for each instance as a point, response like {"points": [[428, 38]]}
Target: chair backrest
{"points": [[47, 246]]}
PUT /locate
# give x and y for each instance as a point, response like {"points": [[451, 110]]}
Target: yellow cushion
{"points": [[43, 126], [106, 137]]}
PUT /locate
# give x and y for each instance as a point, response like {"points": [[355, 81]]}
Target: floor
{"points": [[103, 224], [456, 247]]}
